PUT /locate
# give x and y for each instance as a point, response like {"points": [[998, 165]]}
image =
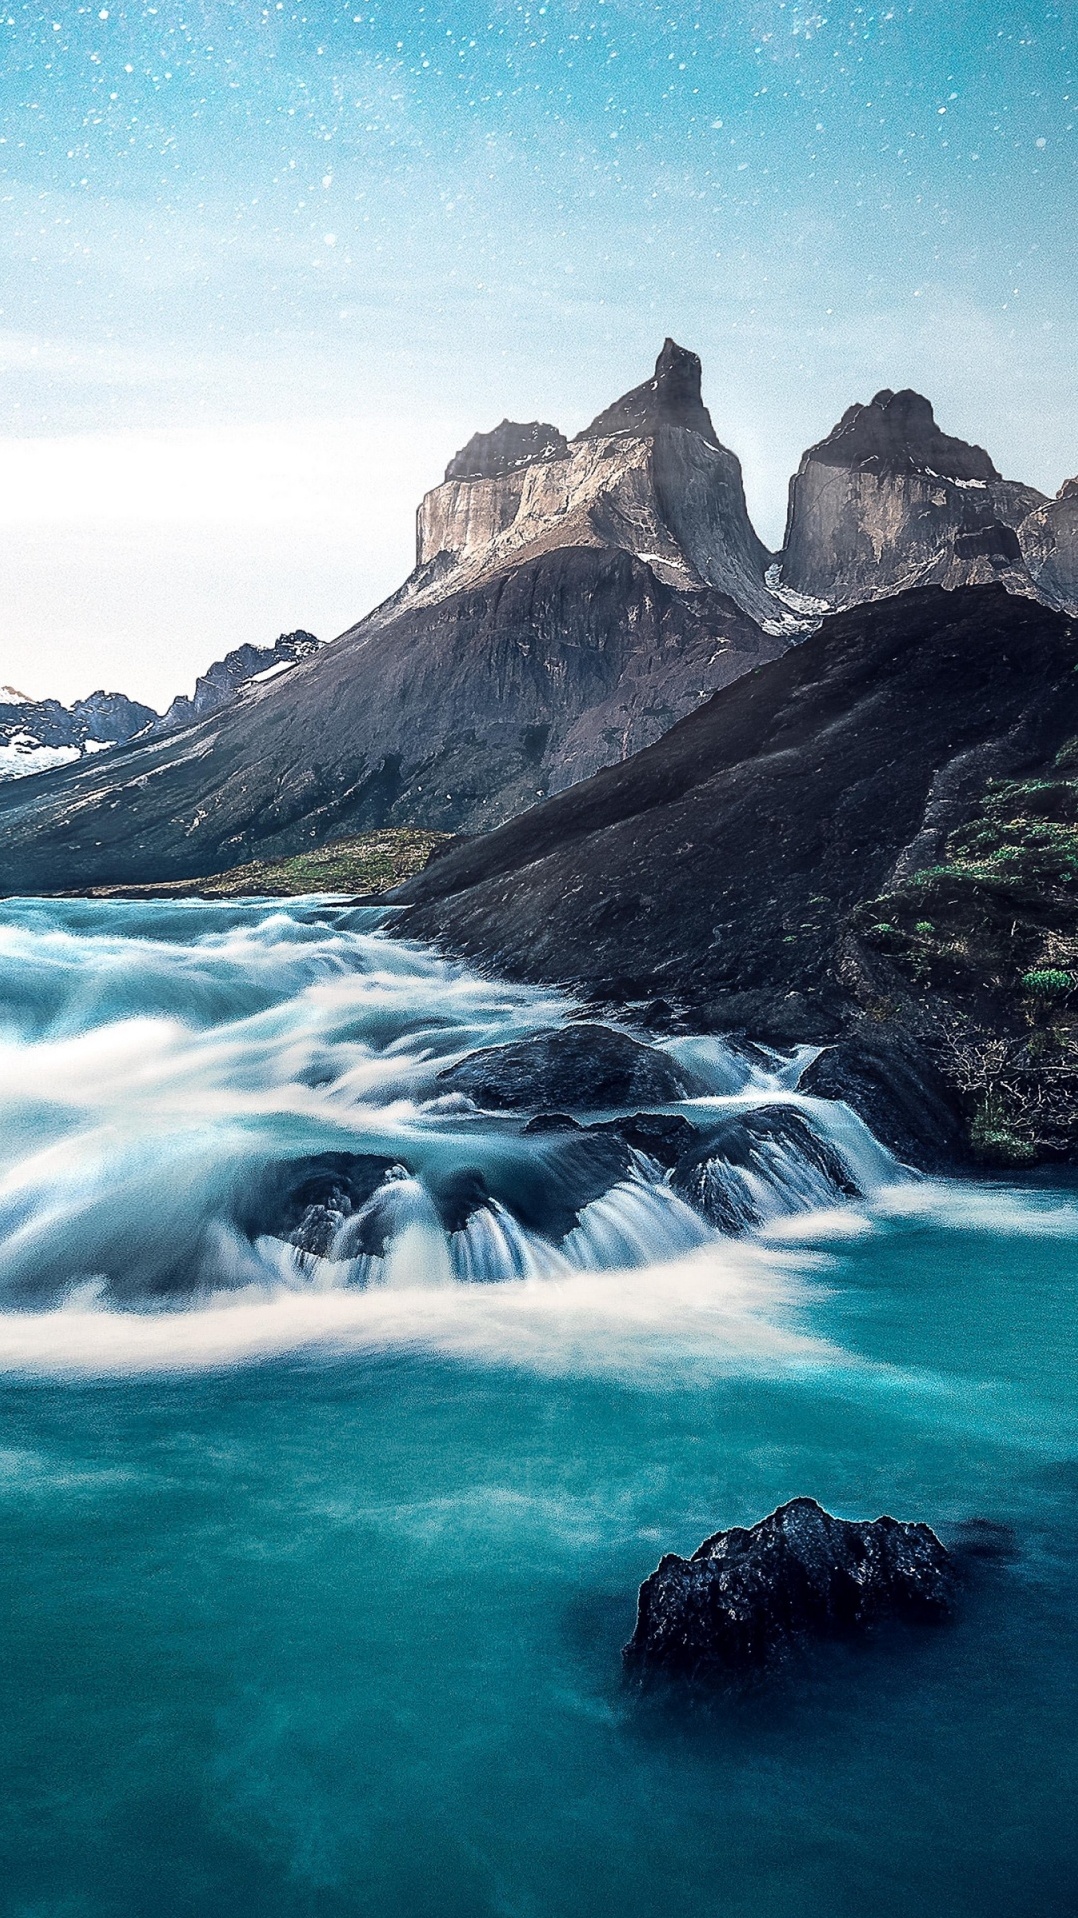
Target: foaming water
{"points": [[226, 1135], [695, 1318]]}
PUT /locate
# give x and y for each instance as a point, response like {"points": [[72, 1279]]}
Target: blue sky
{"points": [[266, 267]]}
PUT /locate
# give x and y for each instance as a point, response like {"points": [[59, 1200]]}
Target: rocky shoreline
{"points": [[736, 876]]}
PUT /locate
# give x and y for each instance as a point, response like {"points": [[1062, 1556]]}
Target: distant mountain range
{"points": [[571, 601], [39, 734]]}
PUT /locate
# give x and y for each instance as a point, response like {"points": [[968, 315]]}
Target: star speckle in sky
{"points": [[268, 266]]}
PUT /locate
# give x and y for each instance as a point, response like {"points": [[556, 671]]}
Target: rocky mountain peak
{"points": [[887, 501], [507, 448], [897, 432], [671, 397]]}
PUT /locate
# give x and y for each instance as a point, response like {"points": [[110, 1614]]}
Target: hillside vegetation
{"points": [[986, 945], [368, 862]]}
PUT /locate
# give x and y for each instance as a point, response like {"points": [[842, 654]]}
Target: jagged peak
{"points": [[671, 397], [507, 448], [897, 432]]}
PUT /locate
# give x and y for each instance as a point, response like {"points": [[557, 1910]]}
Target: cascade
{"points": [[199, 1100]]}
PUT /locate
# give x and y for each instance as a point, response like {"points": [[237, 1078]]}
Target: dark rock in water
{"points": [[458, 1196], [778, 1150], [893, 1085], [662, 1136], [317, 1230], [749, 1596], [586, 1067], [314, 1196], [552, 1122], [567, 1170]]}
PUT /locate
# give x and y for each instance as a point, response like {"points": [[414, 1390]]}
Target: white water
{"points": [[165, 1069]]}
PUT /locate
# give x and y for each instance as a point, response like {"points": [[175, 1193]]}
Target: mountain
{"points": [[887, 501], [36, 734], [723, 869], [227, 678], [1049, 541], [649, 477], [39, 735], [571, 600]]}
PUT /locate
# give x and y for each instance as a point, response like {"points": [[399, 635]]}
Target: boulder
{"points": [[582, 1068], [748, 1597], [663, 1136], [309, 1199], [759, 1163]]}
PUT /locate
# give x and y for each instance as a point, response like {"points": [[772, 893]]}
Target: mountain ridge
{"points": [[571, 601]]}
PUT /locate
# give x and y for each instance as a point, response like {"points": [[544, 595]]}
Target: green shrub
{"points": [[1048, 983]]}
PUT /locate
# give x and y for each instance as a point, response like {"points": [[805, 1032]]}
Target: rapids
{"points": [[209, 1107]]}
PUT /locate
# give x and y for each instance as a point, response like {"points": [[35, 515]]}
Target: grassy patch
{"points": [[367, 862]]}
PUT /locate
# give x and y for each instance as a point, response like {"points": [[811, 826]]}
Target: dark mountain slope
{"points": [[719, 867], [450, 716]]}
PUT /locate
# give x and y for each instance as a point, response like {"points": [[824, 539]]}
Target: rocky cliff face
{"points": [[887, 502], [648, 477], [246, 667], [1049, 544]]}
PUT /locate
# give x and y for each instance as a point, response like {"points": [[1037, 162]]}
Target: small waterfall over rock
{"points": [[200, 1099]]}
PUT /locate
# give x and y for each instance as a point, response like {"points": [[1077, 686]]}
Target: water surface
{"points": [[316, 1571]]}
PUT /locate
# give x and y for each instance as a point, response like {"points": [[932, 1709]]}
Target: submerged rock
{"points": [[748, 1596], [313, 1197], [585, 1067], [765, 1162]]}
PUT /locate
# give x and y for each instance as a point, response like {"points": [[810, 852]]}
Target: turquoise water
{"points": [[315, 1591]]}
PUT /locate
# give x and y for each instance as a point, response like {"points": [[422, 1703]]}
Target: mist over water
{"points": [[341, 1418]]}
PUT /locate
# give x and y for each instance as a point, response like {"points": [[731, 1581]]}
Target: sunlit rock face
{"points": [[888, 501], [649, 477], [1049, 541]]}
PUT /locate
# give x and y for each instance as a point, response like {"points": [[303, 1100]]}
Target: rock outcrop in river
{"points": [[747, 1597]]}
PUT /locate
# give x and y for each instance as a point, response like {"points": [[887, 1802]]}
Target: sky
{"points": [[267, 267]]}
